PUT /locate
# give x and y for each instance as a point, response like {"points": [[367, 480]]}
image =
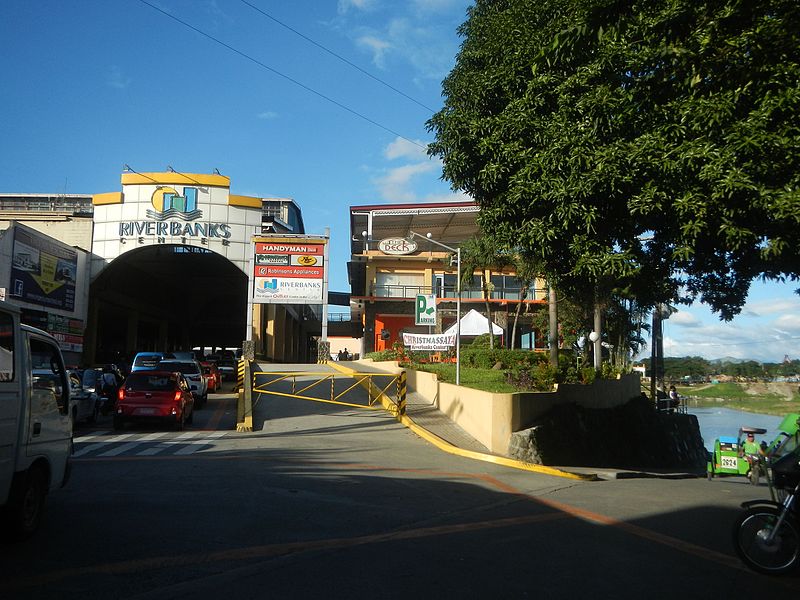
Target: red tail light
{"points": [[178, 396], [121, 393]]}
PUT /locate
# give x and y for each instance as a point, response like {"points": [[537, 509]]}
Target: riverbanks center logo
{"points": [[168, 204]]}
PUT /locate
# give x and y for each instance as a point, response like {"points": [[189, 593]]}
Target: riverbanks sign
{"points": [[289, 269]]}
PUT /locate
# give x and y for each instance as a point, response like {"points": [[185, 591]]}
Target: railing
{"points": [[411, 291], [334, 388], [338, 317]]}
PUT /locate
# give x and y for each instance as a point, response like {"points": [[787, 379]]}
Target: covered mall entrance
{"points": [[166, 297]]}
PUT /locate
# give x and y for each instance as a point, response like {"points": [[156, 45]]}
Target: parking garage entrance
{"points": [[166, 297]]}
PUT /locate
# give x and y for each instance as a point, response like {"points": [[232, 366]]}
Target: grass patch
{"points": [[487, 380]]}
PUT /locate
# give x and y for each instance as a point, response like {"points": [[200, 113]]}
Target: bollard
{"points": [[401, 393], [240, 374]]}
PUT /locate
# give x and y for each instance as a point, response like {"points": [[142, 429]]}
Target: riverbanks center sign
{"points": [[174, 208]]}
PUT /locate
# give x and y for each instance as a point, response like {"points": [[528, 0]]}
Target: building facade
{"points": [[162, 263], [404, 250]]}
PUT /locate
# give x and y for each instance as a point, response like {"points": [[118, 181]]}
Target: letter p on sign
{"points": [[425, 310]]}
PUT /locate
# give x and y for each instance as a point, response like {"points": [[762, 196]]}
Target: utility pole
{"points": [[656, 352], [553, 337]]}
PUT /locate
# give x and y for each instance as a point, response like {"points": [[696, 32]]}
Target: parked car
{"points": [[212, 374], [155, 395], [226, 363], [148, 360], [84, 402], [193, 373]]}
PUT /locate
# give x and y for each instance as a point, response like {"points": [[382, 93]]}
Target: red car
{"points": [[155, 396], [212, 374]]}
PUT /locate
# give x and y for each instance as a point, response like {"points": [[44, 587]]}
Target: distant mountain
{"points": [[730, 360]]}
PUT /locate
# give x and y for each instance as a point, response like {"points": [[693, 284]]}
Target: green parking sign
{"points": [[425, 310]]}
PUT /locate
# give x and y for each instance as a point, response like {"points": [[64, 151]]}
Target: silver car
{"points": [[193, 373]]}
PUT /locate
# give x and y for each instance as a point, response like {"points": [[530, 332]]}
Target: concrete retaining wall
{"points": [[632, 436], [492, 418]]}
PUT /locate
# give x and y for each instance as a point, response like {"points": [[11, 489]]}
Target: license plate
{"points": [[730, 462], [145, 411]]}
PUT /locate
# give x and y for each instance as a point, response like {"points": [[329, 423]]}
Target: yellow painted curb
{"points": [[446, 446]]}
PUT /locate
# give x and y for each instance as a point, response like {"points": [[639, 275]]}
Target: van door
{"points": [[9, 402], [49, 425]]}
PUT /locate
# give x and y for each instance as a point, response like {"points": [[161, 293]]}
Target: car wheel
{"points": [[179, 422], [26, 506], [118, 423]]}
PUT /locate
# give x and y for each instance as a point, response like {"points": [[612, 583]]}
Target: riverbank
{"points": [[764, 398]]}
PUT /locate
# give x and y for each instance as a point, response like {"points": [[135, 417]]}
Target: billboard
{"points": [[289, 270], [43, 272]]}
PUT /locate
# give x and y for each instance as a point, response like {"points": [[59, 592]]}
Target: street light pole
{"points": [[458, 297]]}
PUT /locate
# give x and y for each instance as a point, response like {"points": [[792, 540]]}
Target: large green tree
{"points": [[645, 148]]}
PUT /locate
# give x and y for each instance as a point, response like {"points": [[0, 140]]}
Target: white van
{"points": [[35, 424]]}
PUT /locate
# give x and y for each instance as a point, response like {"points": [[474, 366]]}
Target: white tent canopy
{"points": [[474, 323]]}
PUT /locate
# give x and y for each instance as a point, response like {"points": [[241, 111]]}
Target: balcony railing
{"points": [[409, 292]]}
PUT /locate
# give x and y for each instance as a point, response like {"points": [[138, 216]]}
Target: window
{"points": [[6, 347], [400, 285], [138, 382], [48, 376]]}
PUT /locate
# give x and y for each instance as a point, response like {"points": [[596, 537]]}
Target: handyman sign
{"points": [[289, 270]]}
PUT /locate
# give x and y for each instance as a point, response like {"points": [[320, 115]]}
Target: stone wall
{"points": [[632, 436]]}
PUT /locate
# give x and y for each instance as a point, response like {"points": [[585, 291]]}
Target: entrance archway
{"points": [[166, 297]]}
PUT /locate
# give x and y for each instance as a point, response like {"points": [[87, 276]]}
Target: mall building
{"points": [[161, 263]]}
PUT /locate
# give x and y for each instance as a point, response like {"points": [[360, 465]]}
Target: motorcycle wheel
{"points": [[755, 474], [750, 531]]}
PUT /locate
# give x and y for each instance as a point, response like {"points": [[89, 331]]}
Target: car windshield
{"points": [[138, 382], [187, 368], [149, 361]]}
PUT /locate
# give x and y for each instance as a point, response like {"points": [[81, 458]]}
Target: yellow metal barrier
{"points": [[375, 384]]}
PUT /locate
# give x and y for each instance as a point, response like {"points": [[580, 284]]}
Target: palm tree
{"points": [[483, 254], [527, 270]]}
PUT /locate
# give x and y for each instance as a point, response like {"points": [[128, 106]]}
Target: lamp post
{"points": [[594, 337], [458, 298]]}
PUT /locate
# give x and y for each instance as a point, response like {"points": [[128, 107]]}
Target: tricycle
{"points": [[740, 455]]}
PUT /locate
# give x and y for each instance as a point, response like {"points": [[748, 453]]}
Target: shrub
{"points": [[588, 375]]}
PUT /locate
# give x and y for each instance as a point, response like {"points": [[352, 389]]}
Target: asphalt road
{"points": [[325, 501]]}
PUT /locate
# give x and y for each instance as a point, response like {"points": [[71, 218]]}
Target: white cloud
{"points": [[775, 306], [789, 323], [377, 47], [403, 148], [116, 79], [345, 5], [436, 6], [267, 114], [395, 185], [683, 318], [452, 197]]}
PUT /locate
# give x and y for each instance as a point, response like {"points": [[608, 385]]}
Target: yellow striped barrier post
{"points": [[240, 374], [401, 393]]}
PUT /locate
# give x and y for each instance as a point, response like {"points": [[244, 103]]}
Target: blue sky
{"points": [[92, 85]]}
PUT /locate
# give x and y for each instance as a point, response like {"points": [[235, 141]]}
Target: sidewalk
{"points": [[423, 416]]}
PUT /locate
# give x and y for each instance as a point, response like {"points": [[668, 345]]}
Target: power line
{"points": [[276, 72], [341, 58]]}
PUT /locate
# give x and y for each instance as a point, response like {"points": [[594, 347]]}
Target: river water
{"points": [[715, 422]]}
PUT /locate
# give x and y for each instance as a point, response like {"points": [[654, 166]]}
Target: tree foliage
{"points": [[647, 148]]}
